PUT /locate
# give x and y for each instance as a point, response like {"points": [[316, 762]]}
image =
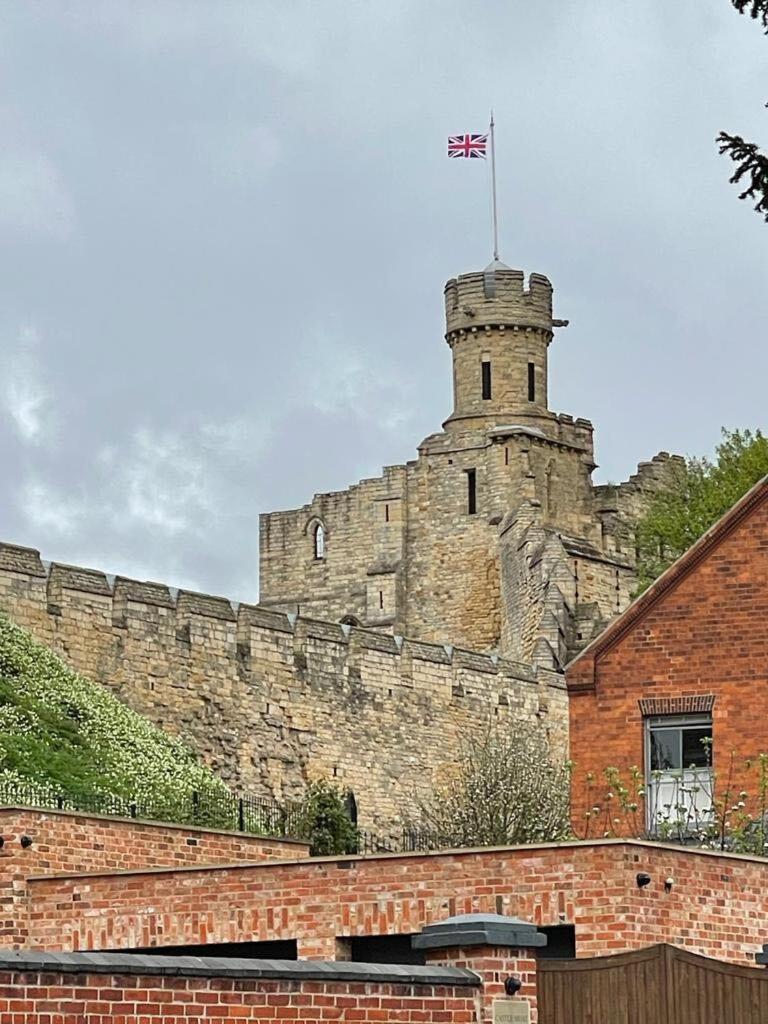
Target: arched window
{"points": [[319, 539]]}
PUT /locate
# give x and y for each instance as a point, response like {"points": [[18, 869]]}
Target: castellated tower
{"points": [[499, 334], [494, 537]]}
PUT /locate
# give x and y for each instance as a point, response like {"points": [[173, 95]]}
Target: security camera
{"points": [[642, 879], [512, 985]]}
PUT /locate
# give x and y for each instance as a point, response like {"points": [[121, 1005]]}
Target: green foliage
{"points": [[60, 733], [706, 808], [700, 492], [504, 789], [751, 164], [323, 821]]}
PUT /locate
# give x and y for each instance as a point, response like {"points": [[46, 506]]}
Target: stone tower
{"points": [[431, 550], [499, 334]]}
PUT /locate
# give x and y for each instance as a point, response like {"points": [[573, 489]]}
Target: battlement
{"points": [[68, 585], [497, 297], [273, 699]]}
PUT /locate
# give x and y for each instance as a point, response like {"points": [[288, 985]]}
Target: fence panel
{"points": [[657, 985]]}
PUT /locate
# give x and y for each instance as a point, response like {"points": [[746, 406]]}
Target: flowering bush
{"points": [[703, 807], [61, 733], [504, 788]]}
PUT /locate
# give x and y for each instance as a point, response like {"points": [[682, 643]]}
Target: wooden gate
{"points": [[657, 985]]}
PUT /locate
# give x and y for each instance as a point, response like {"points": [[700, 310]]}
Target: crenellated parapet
{"points": [[272, 699], [498, 298]]}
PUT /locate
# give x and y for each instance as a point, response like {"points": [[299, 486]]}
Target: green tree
{"points": [[700, 492], [505, 788], [322, 820], [751, 165]]}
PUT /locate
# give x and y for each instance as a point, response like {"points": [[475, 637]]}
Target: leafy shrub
{"points": [[323, 820], [62, 734]]}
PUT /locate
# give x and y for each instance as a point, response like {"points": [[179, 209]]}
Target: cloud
{"points": [[161, 483], [24, 396], [50, 509], [33, 197]]}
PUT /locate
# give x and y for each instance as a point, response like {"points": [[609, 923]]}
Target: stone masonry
{"points": [[492, 540], [271, 700], [446, 548]]}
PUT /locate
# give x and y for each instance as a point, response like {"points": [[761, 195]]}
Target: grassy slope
{"points": [[59, 732]]}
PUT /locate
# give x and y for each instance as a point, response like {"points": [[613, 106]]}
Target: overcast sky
{"points": [[225, 229]]}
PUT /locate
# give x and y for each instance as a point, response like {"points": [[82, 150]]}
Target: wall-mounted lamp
{"points": [[642, 879], [668, 883], [512, 985], [26, 841], [2, 842]]}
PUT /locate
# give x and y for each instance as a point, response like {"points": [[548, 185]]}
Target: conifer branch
{"points": [[750, 163], [757, 9]]}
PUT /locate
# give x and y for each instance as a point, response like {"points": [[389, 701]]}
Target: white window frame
{"points": [[679, 800]]}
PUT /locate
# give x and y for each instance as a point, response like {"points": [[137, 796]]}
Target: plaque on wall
{"points": [[511, 1011]]}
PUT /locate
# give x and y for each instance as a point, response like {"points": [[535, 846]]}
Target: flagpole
{"points": [[493, 193]]}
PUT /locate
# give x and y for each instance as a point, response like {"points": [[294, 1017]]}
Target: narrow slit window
{"points": [[386, 512], [531, 382], [471, 491], [486, 371], [381, 599], [319, 541]]}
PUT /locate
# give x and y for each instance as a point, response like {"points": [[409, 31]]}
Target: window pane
{"points": [[665, 749], [696, 753]]}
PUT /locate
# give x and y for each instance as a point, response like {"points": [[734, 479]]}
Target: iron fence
{"points": [[253, 814], [409, 840]]}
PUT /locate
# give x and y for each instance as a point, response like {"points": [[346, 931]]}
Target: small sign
{"points": [[511, 1011]]}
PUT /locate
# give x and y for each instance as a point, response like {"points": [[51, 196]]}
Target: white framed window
{"points": [[678, 773]]}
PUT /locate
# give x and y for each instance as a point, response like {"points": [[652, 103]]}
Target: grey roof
{"points": [[230, 967]]}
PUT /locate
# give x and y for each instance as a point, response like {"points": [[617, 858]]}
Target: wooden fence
{"points": [[657, 985]]}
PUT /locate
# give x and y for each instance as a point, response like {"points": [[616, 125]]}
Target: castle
{"points": [[495, 537], [395, 617]]}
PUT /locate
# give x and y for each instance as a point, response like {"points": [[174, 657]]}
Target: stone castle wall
{"points": [[417, 551], [272, 700]]}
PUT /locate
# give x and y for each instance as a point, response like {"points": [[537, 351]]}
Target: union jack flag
{"points": [[472, 146]]}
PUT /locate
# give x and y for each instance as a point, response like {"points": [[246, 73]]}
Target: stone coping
{"points": [[351, 860], [466, 930], [234, 967], [150, 823]]}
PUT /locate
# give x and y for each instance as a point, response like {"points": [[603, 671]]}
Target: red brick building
{"points": [[678, 684], [115, 921]]}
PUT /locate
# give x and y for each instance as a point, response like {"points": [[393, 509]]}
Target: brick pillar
{"points": [[500, 950]]}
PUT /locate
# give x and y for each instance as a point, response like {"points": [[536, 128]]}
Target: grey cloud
{"points": [[229, 226]]}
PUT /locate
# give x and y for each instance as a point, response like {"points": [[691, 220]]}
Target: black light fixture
{"points": [[642, 879], [26, 841], [668, 883], [2, 842], [512, 985]]}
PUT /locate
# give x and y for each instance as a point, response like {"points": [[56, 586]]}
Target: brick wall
{"points": [[66, 842], [270, 700], [718, 904], [54, 995], [699, 632], [63, 841]]}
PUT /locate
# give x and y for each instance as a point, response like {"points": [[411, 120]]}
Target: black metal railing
{"points": [[409, 840], [254, 814]]}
